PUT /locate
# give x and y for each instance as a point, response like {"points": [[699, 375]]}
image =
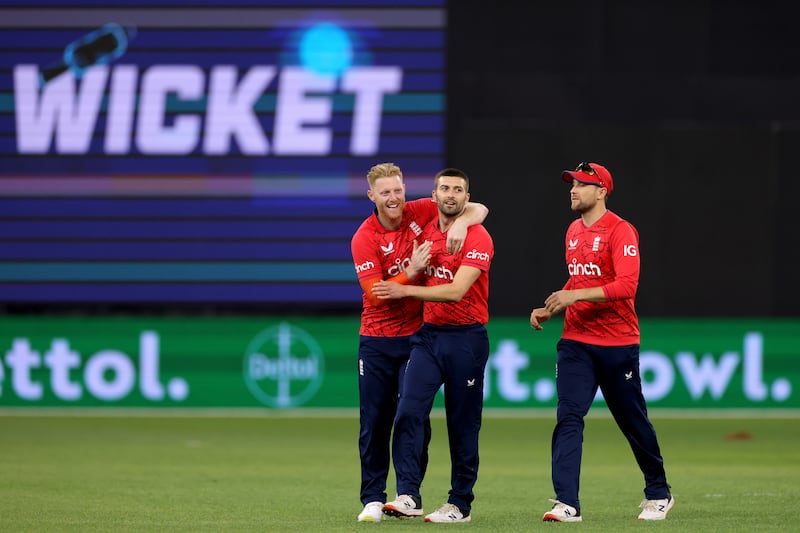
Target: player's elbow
{"points": [[620, 291], [454, 294]]}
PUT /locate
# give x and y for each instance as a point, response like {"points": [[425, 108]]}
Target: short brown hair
{"points": [[383, 170]]}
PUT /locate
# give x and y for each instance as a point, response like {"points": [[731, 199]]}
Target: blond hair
{"points": [[383, 170]]}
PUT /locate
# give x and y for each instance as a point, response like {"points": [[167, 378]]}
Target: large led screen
{"points": [[206, 152]]}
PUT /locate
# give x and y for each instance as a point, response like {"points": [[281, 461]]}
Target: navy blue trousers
{"points": [[582, 368], [381, 368], [453, 356]]}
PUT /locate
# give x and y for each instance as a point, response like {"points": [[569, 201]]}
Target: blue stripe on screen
{"points": [[155, 40], [241, 3], [412, 60], [272, 208], [190, 166], [181, 292], [176, 251], [178, 229], [178, 271], [382, 39]]}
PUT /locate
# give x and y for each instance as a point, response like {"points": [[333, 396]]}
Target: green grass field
{"points": [[279, 473]]}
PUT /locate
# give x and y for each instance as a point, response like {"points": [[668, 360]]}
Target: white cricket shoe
{"points": [[656, 509], [561, 512], [448, 513], [373, 512], [405, 506]]}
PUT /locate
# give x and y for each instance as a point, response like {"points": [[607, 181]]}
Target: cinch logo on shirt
{"points": [[583, 269], [399, 266], [439, 272], [475, 254], [366, 265]]}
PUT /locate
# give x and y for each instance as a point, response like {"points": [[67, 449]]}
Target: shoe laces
{"points": [[449, 508], [557, 504], [651, 505], [407, 500]]}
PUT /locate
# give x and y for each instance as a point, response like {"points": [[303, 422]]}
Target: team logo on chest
{"points": [[596, 244]]}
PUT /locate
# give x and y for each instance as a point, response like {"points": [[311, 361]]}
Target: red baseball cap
{"points": [[590, 173]]}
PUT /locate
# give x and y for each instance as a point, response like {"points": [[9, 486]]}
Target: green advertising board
{"points": [[275, 363]]}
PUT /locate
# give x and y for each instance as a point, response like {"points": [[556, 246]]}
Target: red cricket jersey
{"points": [[478, 251], [382, 253], [606, 255]]}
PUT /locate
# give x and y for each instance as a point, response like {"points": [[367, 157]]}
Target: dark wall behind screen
{"points": [[693, 106]]}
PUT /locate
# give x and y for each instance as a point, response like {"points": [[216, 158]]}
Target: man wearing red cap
{"points": [[600, 345]]}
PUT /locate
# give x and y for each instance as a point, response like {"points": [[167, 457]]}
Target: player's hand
{"points": [[456, 236], [388, 290], [539, 315], [558, 301], [420, 257]]}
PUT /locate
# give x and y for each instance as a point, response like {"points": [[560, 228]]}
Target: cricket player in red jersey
{"points": [[385, 247], [600, 345], [450, 349]]}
